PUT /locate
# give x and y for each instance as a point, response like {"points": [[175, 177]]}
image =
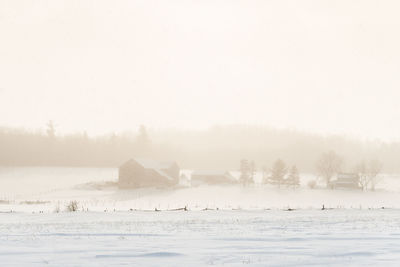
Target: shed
{"points": [[347, 181], [212, 177]]}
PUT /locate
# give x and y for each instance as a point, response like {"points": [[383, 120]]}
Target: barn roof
{"points": [[157, 166], [164, 174], [154, 164]]}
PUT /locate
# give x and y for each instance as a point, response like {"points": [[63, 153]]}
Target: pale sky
{"points": [[109, 66]]}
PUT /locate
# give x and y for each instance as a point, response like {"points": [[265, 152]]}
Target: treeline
{"points": [[220, 147], [22, 148], [279, 174], [365, 174]]}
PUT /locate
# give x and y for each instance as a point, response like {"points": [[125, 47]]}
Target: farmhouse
{"points": [[212, 177], [347, 181], [138, 172]]}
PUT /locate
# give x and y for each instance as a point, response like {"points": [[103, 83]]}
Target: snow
{"points": [[229, 225], [199, 238]]}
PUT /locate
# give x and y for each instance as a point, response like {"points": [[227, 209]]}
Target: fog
{"points": [[199, 132], [315, 66], [211, 85]]}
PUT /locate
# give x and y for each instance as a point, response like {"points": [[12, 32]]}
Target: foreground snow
{"points": [[252, 225], [198, 238]]}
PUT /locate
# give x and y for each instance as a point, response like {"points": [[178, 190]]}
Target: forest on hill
{"points": [[218, 147]]}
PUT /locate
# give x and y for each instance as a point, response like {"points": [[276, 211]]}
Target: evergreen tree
{"points": [[51, 129], [252, 171], [293, 179], [143, 137], [264, 175], [278, 173], [245, 170], [143, 141]]}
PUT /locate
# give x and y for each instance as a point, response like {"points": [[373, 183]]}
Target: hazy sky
{"points": [[103, 66]]}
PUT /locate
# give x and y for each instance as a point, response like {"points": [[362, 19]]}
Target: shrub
{"points": [[72, 206]]}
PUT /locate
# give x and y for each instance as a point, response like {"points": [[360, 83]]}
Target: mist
{"points": [[193, 133], [314, 66], [219, 86]]}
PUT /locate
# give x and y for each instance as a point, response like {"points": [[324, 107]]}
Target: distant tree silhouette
{"points": [[278, 173], [375, 167], [362, 170], [51, 129], [143, 137], [143, 140], [264, 174], [245, 172], [293, 179], [328, 165], [253, 171], [368, 173], [206, 149]]}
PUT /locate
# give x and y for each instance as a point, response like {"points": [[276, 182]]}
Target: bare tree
{"points": [[369, 173], [362, 171], [375, 167], [328, 165]]}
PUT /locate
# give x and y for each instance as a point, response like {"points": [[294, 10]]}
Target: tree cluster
{"points": [[330, 164], [247, 172], [368, 171], [281, 175]]}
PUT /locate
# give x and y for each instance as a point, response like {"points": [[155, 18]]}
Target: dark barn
{"points": [[137, 173]]}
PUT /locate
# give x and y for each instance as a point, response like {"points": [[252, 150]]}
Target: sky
{"points": [[320, 66]]}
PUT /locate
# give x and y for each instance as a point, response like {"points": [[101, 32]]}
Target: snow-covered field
{"points": [[240, 226], [46, 189], [200, 238]]}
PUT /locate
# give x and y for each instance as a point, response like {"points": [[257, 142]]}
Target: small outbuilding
{"points": [[140, 172], [212, 177], [347, 181]]}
